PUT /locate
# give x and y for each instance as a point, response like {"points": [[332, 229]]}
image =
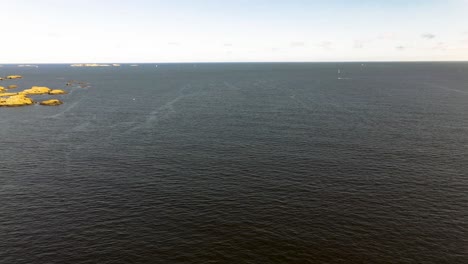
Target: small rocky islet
{"points": [[14, 99]]}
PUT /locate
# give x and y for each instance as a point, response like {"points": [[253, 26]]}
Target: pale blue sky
{"points": [[62, 31]]}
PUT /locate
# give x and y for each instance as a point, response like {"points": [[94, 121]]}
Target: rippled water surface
{"points": [[238, 163]]}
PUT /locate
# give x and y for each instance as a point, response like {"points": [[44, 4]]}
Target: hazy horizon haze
{"points": [[52, 31]]}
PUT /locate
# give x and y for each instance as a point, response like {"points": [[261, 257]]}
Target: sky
{"points": [[129, 31]]}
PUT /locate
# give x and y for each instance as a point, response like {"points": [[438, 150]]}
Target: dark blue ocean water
{"points": [[238, 163]]}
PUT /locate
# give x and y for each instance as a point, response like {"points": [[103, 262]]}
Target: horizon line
{"points": [[234, 62]]}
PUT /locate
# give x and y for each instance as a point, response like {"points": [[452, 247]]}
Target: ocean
{"points": [[238, 163]]}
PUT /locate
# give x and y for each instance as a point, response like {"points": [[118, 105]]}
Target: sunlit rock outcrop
{"points": [[15, 100], [57, 91], [22, 98], [14, 77], [7, 94], [37, 90], [51, 102]]}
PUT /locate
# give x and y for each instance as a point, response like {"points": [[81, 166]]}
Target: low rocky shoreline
{"points": [[15, 99]]}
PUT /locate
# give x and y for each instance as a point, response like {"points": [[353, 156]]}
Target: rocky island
{"points": [[21, 98], [37, 90], [15, 100], [10, 77], [89, 65], [51, 102], [57, 91]]}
